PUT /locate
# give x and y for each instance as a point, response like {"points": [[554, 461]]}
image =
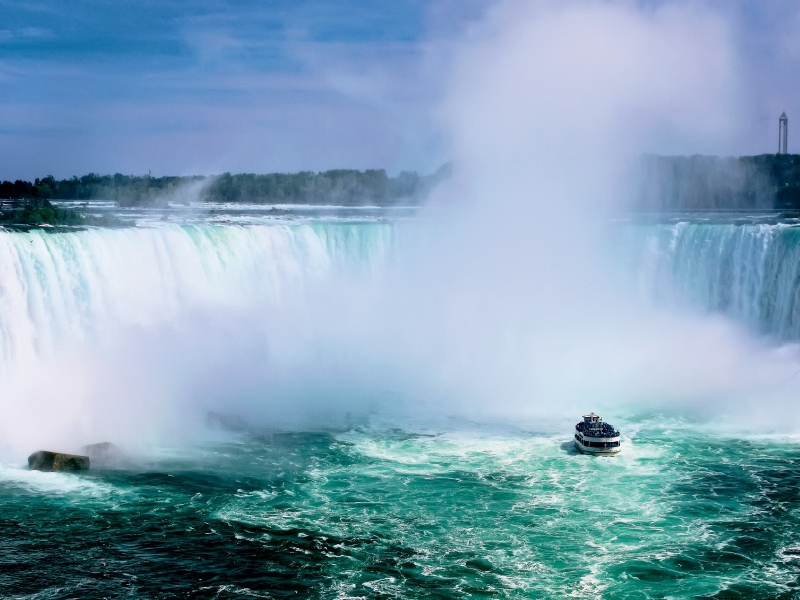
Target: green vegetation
{"points": [[767, 181], [39, 211], [126, 190], [342, 186]]}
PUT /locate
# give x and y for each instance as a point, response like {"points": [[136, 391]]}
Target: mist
{"points": [[505, 300], [549, 108]]}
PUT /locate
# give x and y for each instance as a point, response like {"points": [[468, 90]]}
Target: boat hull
{"points": [[593, 445], [598, 451]]}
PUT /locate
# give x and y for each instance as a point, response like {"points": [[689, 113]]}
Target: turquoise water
{"points": [[684, 511], [687, 510], [749, 272]]}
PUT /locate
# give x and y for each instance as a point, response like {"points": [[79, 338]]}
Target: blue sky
{"points": [[213, 85], [208, 86]]}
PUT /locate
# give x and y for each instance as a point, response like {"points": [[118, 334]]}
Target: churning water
{"points": [[685, 511], [377, 510]]}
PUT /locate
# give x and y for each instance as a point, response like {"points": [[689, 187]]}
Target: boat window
{"points": [[602, 444]]}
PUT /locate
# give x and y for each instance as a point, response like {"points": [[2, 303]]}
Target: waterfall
{"points": [[748, 272], [125, 333], [56, 287]]}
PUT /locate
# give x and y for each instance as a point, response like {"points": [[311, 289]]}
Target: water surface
{"points": [[684, 511]]}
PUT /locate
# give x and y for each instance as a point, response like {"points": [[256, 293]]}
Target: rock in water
{"points": [[56, 461], [104, 455]]}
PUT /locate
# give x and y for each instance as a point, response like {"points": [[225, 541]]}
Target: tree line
{"points": [[339, 186], [127, 190], [766, 181], [28, 212]]}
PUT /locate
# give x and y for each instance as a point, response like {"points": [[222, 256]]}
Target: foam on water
{"points": [[687, 510], [533, 515], [61, 484]]}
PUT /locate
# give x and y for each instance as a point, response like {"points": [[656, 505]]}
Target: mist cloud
{"points": [[503, 300]]}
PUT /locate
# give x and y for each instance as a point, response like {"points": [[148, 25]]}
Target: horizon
{"points": [[388, 173], [296, 86], [196, 175]]}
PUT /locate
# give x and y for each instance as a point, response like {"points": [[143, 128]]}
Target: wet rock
{"points": [[104, 455], [57, 461]]}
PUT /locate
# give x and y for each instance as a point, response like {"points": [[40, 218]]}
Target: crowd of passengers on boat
{"points": [[604, 438]]}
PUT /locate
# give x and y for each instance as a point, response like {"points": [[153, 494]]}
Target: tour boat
{"points": [[592, 436]]}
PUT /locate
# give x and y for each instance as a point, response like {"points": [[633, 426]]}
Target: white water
{"points": [[748, 272], [132, 333], [508, 309], [120, 333], [55, 288]]}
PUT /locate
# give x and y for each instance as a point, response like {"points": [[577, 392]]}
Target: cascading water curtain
{"points": [[748, 272], [57, 286]]}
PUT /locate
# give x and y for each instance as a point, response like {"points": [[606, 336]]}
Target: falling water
{"points": [[748, 272], [56, 288]]}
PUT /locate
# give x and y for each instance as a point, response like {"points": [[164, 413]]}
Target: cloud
{"points": [[35, 32], [309, 84], [302, 85]]}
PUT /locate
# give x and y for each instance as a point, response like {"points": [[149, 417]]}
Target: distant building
{"points": [[783, 134]]}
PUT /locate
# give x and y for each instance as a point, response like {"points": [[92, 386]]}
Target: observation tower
{"points": [[783, 133]]}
